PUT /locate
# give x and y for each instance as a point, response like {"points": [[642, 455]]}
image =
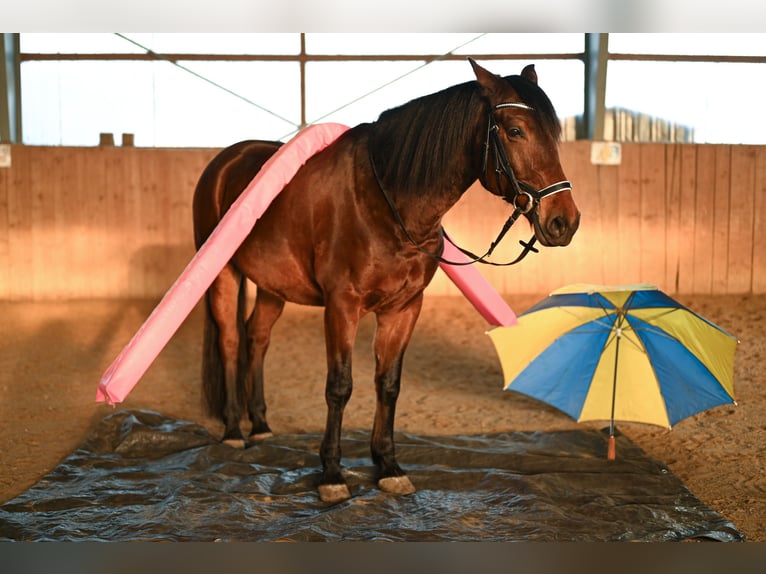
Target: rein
{"points": [[502, 168]]}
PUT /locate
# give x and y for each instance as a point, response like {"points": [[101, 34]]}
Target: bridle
{"points": [[503, 167], [518, 188]]}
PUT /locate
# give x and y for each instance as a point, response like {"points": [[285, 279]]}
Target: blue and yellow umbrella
{"points": [[628, 353]]}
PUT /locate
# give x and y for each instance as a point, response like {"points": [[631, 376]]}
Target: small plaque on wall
{"points": [[605, 153], [5, 155]]}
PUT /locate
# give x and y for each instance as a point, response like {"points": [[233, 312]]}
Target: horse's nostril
{"points": [[557, 227]]}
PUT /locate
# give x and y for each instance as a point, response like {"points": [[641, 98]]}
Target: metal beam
{"points": [[10, 89], [596, 58]]}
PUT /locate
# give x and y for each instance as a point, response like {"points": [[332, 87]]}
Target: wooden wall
{"points": [[112, 222], [95, 222], [688, 218]]}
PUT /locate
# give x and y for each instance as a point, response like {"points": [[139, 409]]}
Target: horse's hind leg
{"points": [[267, 310], [226, 298], [391, 338]]}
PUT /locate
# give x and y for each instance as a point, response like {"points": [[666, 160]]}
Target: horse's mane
{"points": [[420, 143]]}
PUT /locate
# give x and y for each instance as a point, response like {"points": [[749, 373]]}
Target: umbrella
{"points": [[628, 353]]}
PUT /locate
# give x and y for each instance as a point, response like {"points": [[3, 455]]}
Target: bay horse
{"points": [[358, 230]]}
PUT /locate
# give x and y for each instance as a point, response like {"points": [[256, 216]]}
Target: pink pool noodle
{"points": [[134, 360], [476, 288], [123, 374]]}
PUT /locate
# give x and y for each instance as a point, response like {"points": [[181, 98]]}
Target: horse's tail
{"points": [[213, 377]]}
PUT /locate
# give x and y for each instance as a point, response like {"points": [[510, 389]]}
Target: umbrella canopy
{"points": [[628, 353]]}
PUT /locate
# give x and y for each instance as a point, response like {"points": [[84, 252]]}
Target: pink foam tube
{"points": [[130, 365], [476, 288]]}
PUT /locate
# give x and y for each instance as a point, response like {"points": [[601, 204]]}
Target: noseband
{"points": [[519, 189]]}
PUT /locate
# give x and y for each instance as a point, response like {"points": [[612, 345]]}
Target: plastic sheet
{"points": [[143, 476]]}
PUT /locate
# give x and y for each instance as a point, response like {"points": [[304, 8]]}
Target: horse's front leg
{"points": [[391, 339], [341, 321]]}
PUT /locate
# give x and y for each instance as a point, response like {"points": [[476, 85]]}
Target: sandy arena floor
{"points": [[53, 354]]}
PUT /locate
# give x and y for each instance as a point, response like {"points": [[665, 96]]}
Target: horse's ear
{"points": [[529, 73], [490, 83]]}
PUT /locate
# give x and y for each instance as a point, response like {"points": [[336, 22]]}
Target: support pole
{"points": [[611, 453], [10, 89], [596, 58]]}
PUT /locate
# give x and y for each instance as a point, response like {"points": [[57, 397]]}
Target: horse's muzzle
{"points": [[556, 231]]}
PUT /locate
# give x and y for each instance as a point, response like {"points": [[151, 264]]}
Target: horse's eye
{"points": [[515, 133]]}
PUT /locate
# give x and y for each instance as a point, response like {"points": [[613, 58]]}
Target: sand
{"points": [[53, 354]]}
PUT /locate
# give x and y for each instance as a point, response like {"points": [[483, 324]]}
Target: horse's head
{"points": [[521, 157]]}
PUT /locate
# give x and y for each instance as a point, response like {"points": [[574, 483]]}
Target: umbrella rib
{"points": [[656, 330], [604, 309], [661, 314]]}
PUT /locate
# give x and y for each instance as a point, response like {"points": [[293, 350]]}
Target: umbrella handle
{"points": [[611, 450]]}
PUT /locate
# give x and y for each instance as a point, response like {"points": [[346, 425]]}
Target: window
{"points": [[711, 85], [75, 86], [210, 90]]}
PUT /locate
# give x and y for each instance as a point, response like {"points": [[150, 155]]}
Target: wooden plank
{"points": [[704, 217], [55, 271], [91, 165], [5, 235], [721, 219], [653, 214], [608, 248], [42, 216], [741, 216], [145, 229], [684, 264], [759, 223], [629, 217], [126, 175], [20, 268], [182, 178], [119, 175], [576, 263], [166, 181], [148, 233], [673, 167], [77, 215]]}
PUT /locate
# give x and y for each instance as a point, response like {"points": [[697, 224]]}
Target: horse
{"points": [[358, 230]]}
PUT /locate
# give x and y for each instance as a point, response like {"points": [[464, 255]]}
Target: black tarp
{"points": [[143, 476]]}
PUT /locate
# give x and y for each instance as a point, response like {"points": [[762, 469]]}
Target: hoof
{"points": [[396, 485], [238, 443], [334, 492], [259, 436]]}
